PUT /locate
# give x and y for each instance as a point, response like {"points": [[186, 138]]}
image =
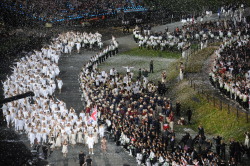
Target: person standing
{"points": [[218, 144], [78, 47], [189, 114], [128, 69], [59, 84], [90, 142], [95, 135], [246, 143], [88, 161], [58, 140], [73, 138], [201, 131], [79, 137], [45, 151], [101, 131], [139, 74], [104, 144], [81, 158], [181, 71], [151, 67], [172, 143], [65, 149], [163, 77], [178, 108], [223, 150], [8, 119]]}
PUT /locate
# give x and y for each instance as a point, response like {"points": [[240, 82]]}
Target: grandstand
{"points": [[64, 10]]}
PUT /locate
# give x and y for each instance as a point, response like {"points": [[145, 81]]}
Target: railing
{"points": [[220, 103]]}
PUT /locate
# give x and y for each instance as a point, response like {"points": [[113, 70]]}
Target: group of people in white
{"points": [[159, 41], [233, 10], [182, 38], [48, 120], [78, 40]]}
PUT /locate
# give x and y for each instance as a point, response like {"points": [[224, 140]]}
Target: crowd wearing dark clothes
{"points": [[52, 10], [143, 122], [231, 71], [139, 122]]}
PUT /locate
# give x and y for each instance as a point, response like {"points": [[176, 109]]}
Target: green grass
{"points": [[140, 58], [160, 64], [194, 46], [195, 62], [215, 121], [220, 122], [152, 53], [173, 70]]}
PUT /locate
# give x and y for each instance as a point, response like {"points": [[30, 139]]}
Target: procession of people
{"points": [[143, 122], [127, 109], [48, 121]]}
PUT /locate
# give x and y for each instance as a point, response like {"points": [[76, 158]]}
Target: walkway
{"points": [[70, 66]]}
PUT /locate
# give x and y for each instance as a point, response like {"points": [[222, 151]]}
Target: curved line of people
{"points": [[231, 71], [143, 122], [47, 121], [182, 38]]}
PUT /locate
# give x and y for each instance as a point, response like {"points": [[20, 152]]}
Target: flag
{"points": [[93, 117], [94, 114]]}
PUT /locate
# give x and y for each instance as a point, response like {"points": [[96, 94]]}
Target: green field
{"points": [[152, 53], [141, 59], [215, 121]]}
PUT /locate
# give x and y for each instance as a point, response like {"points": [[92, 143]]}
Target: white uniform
{"points": [[58, 141], [59, 84], [65, 148], [79, 137], [73, 138], [90, 142]]}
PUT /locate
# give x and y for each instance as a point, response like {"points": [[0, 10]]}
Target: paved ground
{"points": [[115, 156], [70, 66]]}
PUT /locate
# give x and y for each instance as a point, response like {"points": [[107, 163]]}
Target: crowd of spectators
{"points": [[55, 10], [135, 115]]}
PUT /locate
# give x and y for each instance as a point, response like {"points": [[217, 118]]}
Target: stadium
{"points": [[124, 82]]}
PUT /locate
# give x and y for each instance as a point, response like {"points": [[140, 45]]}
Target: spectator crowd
{"points": [[127, 108], [52, 10]]}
